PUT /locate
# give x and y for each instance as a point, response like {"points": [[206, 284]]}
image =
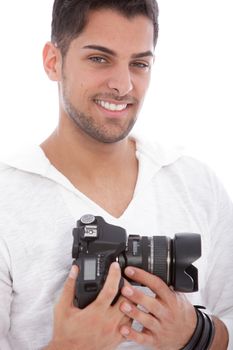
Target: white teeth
{"points": [[111, 106]]}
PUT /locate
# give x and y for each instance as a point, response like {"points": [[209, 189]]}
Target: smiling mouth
{"points": [[110, 106]]}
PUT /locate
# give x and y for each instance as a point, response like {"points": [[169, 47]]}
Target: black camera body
{"points": [[97, 244]]}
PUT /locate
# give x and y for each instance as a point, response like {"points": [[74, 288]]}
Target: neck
{"points": [[102, 172], [71, 152]]}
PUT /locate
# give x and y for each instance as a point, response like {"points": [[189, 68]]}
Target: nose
{"points": [[120, 80]]}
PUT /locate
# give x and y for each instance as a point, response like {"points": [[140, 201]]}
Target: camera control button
{"points": [[87, 219], [91, 287]]}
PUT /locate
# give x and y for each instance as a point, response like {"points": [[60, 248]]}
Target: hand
{"points": [[94, 327], [169, 320]]}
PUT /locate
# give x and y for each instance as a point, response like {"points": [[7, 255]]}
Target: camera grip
{"points": [[87, 291]]}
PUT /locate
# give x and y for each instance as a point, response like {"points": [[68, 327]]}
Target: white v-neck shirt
{"points": [[39, 207]]}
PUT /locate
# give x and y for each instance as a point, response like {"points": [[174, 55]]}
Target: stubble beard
{"points": [[109, 132]]}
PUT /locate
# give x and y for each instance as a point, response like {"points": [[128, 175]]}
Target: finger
{"points": [[121, 297], [67, 296], [126, 321], [111, 286], [153, 282], [126, 283], [143, 338], [149, 303], [144, 318]]}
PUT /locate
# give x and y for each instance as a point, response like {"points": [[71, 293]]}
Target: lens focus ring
{"points": [[162, 258]]}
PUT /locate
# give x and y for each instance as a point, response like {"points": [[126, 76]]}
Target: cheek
{"points": [[80, 97], [83, 85], [75, 87], [142, 85]]}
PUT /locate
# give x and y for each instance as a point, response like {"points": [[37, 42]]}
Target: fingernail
{"points": [[115, 265], [129, 271], [124, 331], [126, 307], [127, 291], [73, 272]]}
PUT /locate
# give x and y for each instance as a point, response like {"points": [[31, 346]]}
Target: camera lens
{"points": [[169, 259], [152, 254]]}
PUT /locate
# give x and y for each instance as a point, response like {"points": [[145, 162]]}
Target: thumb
{"points": [[67, 296]]}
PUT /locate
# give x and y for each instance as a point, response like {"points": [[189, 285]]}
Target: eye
{"points": [[141, 65], [97, 59]]}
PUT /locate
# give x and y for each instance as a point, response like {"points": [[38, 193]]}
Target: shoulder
{"points": [[182, 171], [23, 164], [172, 159], [21, 180], [12, 179], [193, 169], [8, 177], [198, 176]]}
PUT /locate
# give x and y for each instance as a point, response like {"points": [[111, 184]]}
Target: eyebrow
{"points": [[113, 53]]}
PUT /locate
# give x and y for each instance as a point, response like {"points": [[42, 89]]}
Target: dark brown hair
{"points": [[70, 16]]}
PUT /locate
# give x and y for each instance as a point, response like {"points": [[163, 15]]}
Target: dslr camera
{"points": [[97, 244]]}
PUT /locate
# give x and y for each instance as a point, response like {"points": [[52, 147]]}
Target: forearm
{"points": [[221, 337], [61, 345]]}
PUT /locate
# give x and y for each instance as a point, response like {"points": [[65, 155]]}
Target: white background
{"points": [[190, 102]]}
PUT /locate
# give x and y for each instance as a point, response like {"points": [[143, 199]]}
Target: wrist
{"points": [[221, 337], [203, 335]]}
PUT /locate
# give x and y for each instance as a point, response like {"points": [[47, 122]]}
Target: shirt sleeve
{"points": [[218, 289], [5, 296]]}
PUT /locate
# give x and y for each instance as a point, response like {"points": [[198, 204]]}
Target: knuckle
{"points": [[168, 316], [99, 301], [153, 323], [135, 312], [69, 284], [140, 338], [159, 283], [106, 294], [139, 296], [109, 328], [110, 292], [67, 289]]}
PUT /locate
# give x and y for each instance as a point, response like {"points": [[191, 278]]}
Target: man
{"points": [[101, 55]]}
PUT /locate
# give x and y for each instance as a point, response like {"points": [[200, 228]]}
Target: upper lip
{"points": [[115, 99], [121, 102]]}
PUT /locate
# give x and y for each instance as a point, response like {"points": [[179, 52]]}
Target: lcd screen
{"points": [[89, 269]]}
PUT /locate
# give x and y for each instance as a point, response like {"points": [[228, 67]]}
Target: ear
{"points": [[52, 61]]}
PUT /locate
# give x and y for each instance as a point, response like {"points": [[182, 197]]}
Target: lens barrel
{"points": [[169, 259], [162, 258]]}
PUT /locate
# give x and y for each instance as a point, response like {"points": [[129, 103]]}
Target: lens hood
{"points": [[186, 249]]}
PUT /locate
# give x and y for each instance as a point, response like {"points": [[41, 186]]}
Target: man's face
{"points": [[105, 74]]}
